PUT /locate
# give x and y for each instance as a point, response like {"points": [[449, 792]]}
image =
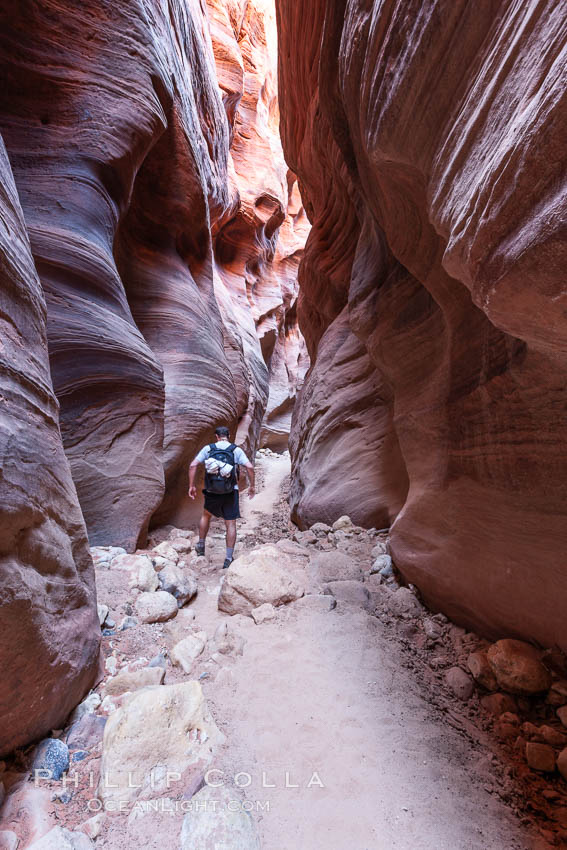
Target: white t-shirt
{"points": [[239, 456]]}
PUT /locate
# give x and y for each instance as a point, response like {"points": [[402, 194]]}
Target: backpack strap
{"points": [[212, 447], [231, 448]]}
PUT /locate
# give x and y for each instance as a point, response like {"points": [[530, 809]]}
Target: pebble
{"points": [[51, 755], [128, 623]]}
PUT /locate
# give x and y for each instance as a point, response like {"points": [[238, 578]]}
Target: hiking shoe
{"points": [[227, 563], [200, 548]]}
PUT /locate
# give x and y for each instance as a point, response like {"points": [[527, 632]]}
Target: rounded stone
{"points": [[518, 667], [51, 755]]}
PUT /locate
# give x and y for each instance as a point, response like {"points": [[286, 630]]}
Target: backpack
{"points": [[217, 483]]}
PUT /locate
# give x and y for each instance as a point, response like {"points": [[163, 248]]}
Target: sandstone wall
{"points": [[429, 142], [49, 635], [153, 193]]}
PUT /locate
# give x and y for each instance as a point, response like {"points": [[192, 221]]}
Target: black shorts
{"points": [[224, 505]]}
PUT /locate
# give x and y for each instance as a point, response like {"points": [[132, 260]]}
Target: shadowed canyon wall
{"points": [[150, 235], [429, 140]]}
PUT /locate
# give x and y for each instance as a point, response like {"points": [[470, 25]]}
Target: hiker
{"points": [[222, 460]]}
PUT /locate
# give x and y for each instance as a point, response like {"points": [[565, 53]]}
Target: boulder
{"points": [[335, 566], [161, 739], [156, 607], [350, 592], [460, 683], [29, 803], [225, 824], [59, 838], [181, 584], [51, 757], [518, 667], [143, 576], [478, 664], [263, 613], [540, 757], [134, 680], [343, 522], [255, 579], [167, 551], [182, 545], [185, 653]]}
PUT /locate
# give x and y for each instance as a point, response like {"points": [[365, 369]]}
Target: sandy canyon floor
{"points": [[339, 729]]}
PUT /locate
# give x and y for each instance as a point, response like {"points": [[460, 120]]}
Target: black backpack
{"points": [[217, 483]]}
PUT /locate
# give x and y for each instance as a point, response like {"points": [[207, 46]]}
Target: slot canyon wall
{"points": [[429, 140], [150, 238], [49, 635]]}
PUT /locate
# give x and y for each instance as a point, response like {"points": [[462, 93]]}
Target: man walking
{"points": [[222, 460]]}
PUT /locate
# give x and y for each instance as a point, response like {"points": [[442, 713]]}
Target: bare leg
{"points": [[230, 533], [204, 525]]}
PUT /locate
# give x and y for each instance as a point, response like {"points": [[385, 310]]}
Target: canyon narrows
{"points": [[338, 228]]}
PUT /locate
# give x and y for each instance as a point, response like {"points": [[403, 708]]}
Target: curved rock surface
{"points": [[50, 632], [429, 143], [154, 187]]}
